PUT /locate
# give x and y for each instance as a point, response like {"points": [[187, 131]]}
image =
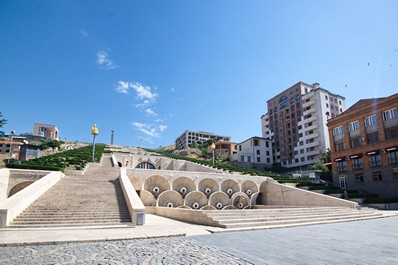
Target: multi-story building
{"points": [[364, 146], [46, 131], [296, 123], [255, 150], [189, 137]]}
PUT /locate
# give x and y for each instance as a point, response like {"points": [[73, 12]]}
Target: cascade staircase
{"points": [[284, 217], [92, 199]]}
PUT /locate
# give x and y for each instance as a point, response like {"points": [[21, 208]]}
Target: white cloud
{"points": [[143, 104], [147, 129], [150, 112], [143, 92], [123, 87], [104, 61], [172, 89], [84, 33]]}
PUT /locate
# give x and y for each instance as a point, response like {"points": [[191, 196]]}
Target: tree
{"points": [[2, 121], [325, 158]]}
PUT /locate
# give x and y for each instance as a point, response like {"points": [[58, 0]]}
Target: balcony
{"points": [[310, 119], [309, 103], [314, 152], [309, 111], [312, 127], [313, 144]]}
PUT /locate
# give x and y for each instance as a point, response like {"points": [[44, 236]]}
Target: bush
{"points": [[78, 157]]}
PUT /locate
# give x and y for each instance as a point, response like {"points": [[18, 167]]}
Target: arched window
{"points": [[145, 165]]}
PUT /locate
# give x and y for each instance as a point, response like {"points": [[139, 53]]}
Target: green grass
{"points": [[58, 162]]}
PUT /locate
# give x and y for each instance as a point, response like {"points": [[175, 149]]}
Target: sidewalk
{"points": [[155, 226]]}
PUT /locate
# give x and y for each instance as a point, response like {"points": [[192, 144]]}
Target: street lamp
{"points": [[213, 147], [94, 132], [10, 156]]}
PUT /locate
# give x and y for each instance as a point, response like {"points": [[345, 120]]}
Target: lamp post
{"points": [[213, 147], [94, 132], [12, 134]]}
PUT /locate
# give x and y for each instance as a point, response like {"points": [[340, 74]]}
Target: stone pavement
{"points": [[166, 250], [363, 242], [161, 241]]}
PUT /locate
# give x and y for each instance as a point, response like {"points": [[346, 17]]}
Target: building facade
{"points": [[255, 150], [364, 146], [46, 131], [189, 137], [223, 149], [296, 123]]}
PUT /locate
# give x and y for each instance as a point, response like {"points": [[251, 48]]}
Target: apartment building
{"points": [[296, 123], [189, 137], [255, 150], [364, 145]]}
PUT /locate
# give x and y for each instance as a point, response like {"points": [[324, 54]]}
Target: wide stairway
{"points": [[285, 217], [92, 199]]}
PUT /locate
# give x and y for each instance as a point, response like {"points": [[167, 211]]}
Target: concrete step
{"points": [[94, 198], [290, 217], [92, 224], [299, 221]]}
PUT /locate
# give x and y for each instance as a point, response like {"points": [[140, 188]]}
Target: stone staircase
{"points": [[92, 199], [285, 217]]}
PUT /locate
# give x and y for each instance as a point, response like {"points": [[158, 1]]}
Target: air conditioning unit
{"points": [[362, 139]]}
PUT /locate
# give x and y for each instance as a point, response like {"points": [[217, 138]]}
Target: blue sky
{"points": [[153, 69]]}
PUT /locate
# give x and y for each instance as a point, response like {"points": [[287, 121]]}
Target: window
{"points": [[242, 158], [240, 148], [339, 146], [256, 142], [327, 105], [372, 137], [249, 159], [258, 152], [338, 131], [339, 102], [395, 174], [377, 176], [341, 165], [326, 97], [371, 120], [258, 160], [391, 132], [357, 163], [393, 157], [353, 126], [359, 178], [375, 160], [355, 142], [390, 114]]}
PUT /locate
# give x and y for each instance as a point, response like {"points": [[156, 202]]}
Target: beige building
{"points": [[296, 123], [364, 146], [189, 137], [46, 131]]}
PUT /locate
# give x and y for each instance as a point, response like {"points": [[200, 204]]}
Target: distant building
{"points": [[189, 137], [29, 151], [255, 150], [364, 146], [296, 123], [15, 147], [46, 131], [223, 149]]}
